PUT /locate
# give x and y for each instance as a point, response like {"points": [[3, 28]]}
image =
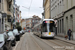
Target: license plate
{"points": [[49, 33]]}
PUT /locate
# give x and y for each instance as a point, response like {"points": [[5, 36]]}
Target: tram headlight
{"points": [[52, 33], [46, 32]]}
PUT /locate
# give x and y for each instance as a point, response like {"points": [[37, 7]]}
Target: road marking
{"points": [[16, 45], [45, 42]]}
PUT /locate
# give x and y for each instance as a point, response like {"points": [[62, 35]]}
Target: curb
{"points": [[65, 41]]}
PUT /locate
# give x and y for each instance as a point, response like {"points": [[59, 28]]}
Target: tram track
{"points": [[36, 43], [68, 44], [61, 44], [43, 41], [31, 42]]}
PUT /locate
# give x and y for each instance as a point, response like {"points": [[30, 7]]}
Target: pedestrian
{"points": [[69, 33]]}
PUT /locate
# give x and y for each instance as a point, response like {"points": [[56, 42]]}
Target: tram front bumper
{"points": [[47, 35]]}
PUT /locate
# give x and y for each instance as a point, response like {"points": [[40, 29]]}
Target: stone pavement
{"points": [[65, 40]]}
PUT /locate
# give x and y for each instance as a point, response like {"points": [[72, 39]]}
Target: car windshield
{"points": [[10, 33], [1, 37], [15, 31]]}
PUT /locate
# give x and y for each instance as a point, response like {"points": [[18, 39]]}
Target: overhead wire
{"points": [[30, 6]]}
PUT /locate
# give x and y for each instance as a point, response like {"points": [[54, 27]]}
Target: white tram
{"points": [[45, 28]]}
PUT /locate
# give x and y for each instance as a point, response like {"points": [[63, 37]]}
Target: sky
{"points": [[36, 8]]}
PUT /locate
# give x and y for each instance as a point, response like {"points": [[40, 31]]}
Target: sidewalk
{"points": [[63, 39]]}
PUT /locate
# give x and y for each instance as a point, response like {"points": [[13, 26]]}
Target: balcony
{"points": [[10, 10], [9, 18]]}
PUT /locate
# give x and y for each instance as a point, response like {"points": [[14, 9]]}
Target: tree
{"points": [[18, 26]]}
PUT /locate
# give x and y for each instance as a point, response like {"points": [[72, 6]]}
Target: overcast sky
{"points": [[34, 10]]}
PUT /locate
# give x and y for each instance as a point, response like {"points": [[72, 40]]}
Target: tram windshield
{"points": [[48, 26]]}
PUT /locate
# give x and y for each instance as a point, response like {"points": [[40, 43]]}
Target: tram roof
{"points": [[48, 19]]}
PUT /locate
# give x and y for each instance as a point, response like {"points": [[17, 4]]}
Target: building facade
{"points": [[20, 17], [46, 5], [57, 10], [17, 13], [35, 20], [8, 8], [23, 24], [6, 15], [28, 23], [69, 16], [64, 11]]}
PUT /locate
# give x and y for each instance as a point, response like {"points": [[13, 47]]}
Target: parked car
{"points": [[5, 44], [21, 32], [17, 34], [12, 38]]}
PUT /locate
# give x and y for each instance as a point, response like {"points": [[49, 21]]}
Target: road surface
{"points": [[32, 42]]}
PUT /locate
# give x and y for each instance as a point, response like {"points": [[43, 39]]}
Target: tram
{"points": [[45, 29]]}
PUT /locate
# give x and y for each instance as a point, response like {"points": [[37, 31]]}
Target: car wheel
{"points": [[4, 48]]}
